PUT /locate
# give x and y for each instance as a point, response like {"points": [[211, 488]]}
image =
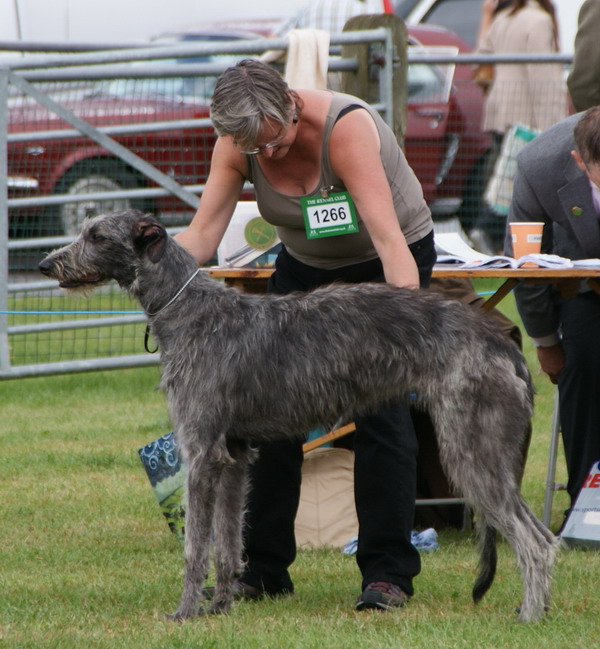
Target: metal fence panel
{"points": [[86, 133], [75, 141]]}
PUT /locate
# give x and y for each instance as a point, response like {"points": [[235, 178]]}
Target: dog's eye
{"points": [[95, 235]]}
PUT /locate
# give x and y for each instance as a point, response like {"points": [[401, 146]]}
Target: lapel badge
{"points": [[576, 211]]}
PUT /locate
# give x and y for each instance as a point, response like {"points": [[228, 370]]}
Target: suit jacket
{"points": [[549, 187], [584, 79], [533, 95]]}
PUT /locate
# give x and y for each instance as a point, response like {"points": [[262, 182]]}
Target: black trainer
{"points": [[381, 595]]}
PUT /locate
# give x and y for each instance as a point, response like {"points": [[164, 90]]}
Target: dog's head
{"points": [[110, 247]]}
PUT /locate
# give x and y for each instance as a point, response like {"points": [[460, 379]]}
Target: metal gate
{"points": [[115, 159]]}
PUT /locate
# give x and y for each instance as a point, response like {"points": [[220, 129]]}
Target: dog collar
{"points": [[179, 292]]}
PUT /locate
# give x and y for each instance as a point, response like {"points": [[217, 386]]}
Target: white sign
{"points": [[583, 525]]}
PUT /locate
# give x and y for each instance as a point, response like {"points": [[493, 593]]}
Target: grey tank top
{"points": [[285, 211]]}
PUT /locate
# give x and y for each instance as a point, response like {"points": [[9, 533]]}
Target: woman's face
{"points": [[273, 141]]}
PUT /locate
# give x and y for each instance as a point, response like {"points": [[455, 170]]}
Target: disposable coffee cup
{"points": [[526, 239]]}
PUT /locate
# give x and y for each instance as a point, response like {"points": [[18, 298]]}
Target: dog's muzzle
{"points": [[46, 267]]}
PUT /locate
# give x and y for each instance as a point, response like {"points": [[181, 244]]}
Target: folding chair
{"points": [[350, 428], [551, 485]]}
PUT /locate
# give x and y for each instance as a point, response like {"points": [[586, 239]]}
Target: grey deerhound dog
{"points": [[238, 368]]}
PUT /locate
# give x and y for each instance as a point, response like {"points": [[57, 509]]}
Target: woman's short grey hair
{"points": [[245, 96]]}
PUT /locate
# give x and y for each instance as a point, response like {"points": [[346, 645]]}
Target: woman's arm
{"points": [[545, 81], [218, 202], [488, 8], [356, 160]]}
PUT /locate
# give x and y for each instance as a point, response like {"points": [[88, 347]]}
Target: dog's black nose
{"points": [[45, 267]]}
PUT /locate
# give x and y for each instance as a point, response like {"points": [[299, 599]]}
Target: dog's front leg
{"points": [[203, 476], [229, 514]]}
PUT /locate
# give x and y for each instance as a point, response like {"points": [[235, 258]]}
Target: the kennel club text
{"points": [[329, 216]]}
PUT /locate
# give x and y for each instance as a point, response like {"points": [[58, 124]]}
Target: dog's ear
{"points": [[150, 237]]}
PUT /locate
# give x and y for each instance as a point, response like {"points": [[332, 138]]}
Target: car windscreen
{"points": [[430, 83], [178, 88]]}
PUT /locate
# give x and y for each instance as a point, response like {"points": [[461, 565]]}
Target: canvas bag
{"points": [[327, 514], [166, 471]]}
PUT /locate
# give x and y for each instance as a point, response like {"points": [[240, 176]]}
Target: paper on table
{"points": [[453, 249], [541, 260], [586, 263]]}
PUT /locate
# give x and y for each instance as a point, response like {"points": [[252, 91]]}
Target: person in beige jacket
{"points": [[529, 94]]}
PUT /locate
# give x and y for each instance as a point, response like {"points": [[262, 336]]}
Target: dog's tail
{"points": [[488, 561]]}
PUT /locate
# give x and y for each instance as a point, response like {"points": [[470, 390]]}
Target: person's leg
{"points": [[270, 545], [275, 479], [385, 489], [579, 387], [276, 476]]}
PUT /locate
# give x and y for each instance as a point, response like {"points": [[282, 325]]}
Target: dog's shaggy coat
{"points": [[238, 368]]}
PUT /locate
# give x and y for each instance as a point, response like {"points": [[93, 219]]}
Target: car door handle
{"points": [[431, 113], [435, 117]]}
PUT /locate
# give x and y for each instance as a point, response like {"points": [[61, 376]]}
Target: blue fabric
{"points": [[425, 541]]}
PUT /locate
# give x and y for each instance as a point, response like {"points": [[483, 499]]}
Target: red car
{"points": [[444, 142], [81, 166]]}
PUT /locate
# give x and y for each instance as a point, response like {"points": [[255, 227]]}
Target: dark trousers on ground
{"points": [[579, 387], [385, 467]]}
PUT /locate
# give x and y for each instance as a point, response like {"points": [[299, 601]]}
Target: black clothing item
{"points": [[579, 387]]}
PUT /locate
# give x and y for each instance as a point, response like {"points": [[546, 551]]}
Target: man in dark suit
{"points": [[558, 183]]}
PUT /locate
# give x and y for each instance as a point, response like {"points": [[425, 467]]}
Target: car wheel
{"points": [[69, 217]]}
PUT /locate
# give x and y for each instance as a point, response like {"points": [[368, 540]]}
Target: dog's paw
{"points": [[531, 616], [219, 608], [182, 616]]}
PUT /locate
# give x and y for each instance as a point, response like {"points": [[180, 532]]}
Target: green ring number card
{"points": [[329, 216]]}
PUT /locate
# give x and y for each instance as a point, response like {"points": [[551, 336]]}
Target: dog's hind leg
{"points": [[553, 544], [535, 565], [228, 520], [534, 548], [476, 454], [203, 477]]}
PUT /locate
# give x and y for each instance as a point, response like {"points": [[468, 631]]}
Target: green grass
{"points": [[88, 561]]}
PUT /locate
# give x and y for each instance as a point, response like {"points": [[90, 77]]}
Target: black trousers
{"points": [[385, 467], [579, 387]]}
